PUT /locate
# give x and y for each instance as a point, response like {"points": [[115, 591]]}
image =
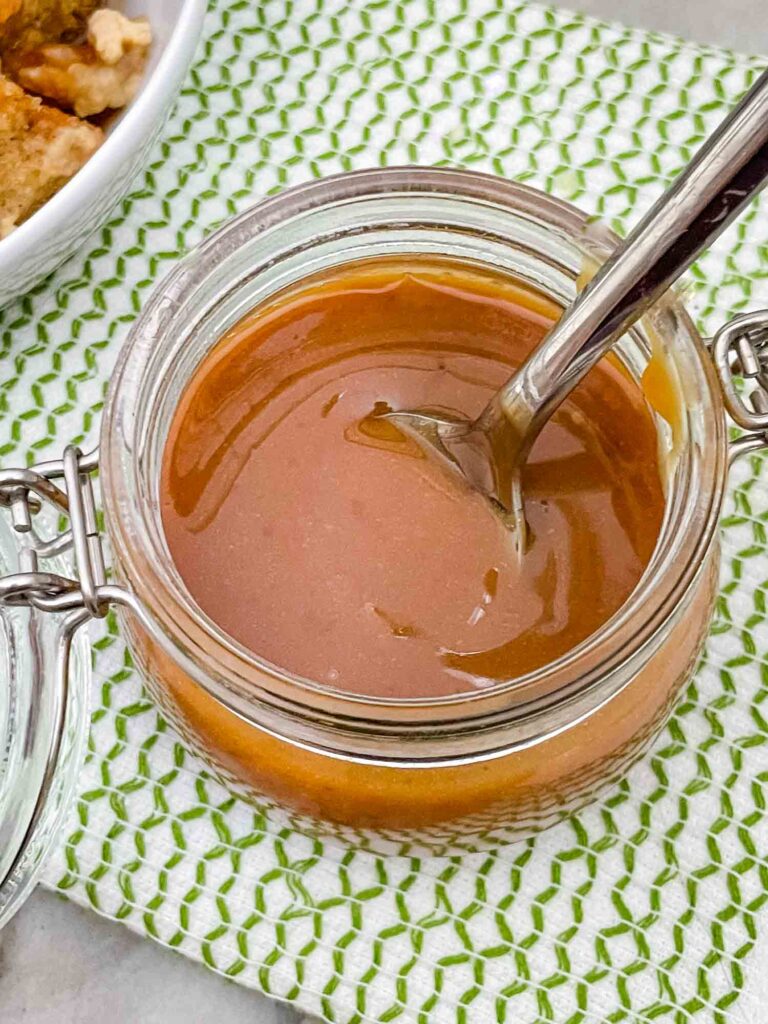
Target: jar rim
{"points": [[224, 667]]}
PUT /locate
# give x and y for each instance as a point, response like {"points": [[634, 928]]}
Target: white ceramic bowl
{"points": [[52, 234]]}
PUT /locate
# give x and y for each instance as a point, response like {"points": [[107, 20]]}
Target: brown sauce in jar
{"points": [[327, 543]]}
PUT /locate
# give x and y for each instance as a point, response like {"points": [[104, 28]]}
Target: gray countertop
{"points": [[58, 963]]}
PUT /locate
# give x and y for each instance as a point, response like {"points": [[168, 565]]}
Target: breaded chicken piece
{"points": [[105, 72], [25, 24], [40, 149]]}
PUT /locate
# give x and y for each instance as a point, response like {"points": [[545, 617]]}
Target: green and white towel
{"points": [[652, 904]]}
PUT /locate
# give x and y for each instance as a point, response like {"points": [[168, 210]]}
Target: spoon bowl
{"points": [[488, 452]]}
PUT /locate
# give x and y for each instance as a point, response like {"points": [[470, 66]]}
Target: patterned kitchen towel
{"points": [[651, 905]]}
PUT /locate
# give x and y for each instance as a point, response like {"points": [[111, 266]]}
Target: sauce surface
{"points": [[327, 543]]}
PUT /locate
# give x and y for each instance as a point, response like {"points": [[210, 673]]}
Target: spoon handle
{"points": [[727, 171]]}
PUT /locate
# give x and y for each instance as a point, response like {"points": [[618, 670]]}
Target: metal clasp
{"points": [[66, 485], [740, 349]]}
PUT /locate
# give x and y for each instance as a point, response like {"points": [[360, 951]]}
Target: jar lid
{"points": [[44, 681]]}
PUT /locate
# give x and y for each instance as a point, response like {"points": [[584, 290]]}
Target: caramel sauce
{"points": [[324, 540]]}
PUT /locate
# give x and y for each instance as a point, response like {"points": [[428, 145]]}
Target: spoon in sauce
{"points": [[725, 174]]}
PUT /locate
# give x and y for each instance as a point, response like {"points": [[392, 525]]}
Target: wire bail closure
{"points": [[740, 349], [24, 492]]}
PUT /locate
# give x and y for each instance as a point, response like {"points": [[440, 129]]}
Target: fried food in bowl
{"points": [[64, 58], [43, 145]]}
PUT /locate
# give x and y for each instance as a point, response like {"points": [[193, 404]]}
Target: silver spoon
{"points": [[727, 171]]}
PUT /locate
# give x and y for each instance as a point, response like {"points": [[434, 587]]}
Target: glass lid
{"points": [[44, 685]]}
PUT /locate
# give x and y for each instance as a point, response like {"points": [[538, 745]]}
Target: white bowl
{"points": [[52, 234]]}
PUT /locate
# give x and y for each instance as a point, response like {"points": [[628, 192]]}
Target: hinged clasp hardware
{"points": [[740, 349], [67, 486]]}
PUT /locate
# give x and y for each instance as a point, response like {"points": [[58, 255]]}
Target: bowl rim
{"points": [[148, 107]]}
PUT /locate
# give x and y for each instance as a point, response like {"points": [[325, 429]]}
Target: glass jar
{"points": [[460, 771]]}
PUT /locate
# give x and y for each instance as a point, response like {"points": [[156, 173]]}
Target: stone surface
{"points": [[60, 964], [63, 965], [738, 24]]}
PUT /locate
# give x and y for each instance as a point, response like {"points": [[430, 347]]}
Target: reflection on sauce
{"points": [[321, 538], [374, 431]]}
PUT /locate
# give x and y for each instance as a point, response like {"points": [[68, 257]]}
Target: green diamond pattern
{"points": [[650, 905]]}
